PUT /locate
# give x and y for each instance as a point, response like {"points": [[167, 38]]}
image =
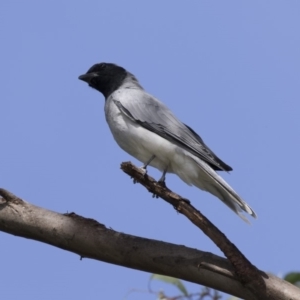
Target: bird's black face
{"points": [[104, 77]]}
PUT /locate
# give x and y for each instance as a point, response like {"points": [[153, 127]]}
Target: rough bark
{"points": [[90, 239], [247, 273]]}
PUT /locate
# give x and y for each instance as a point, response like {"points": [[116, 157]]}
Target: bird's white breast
{"points": [[138, 141]]}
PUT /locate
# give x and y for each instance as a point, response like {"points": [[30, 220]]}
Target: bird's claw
{"points": [[144, 170], [162, 183]]}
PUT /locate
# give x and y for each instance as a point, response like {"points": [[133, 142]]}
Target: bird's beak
{"points": [[87, 77]]}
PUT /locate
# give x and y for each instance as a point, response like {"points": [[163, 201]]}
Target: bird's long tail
{"points": [[207, 179]]}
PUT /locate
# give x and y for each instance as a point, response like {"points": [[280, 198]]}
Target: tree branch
{"points": [[248, 274], [90, 239]]}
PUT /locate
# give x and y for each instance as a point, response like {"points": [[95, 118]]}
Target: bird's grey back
{"points": [[153, 115]]}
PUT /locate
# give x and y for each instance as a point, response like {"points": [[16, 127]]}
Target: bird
{"points": [[148, 130]]}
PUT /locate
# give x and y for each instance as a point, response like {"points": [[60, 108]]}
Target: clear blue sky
{"points": [[229, 69]]}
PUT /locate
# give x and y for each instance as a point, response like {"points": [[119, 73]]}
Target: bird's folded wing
{"points": [[153, 115]]}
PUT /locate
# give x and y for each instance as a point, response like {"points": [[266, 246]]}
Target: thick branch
{"points": [[88, 238]]}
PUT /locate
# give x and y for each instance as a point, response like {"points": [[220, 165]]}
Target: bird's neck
{"points": [[131, 82]]}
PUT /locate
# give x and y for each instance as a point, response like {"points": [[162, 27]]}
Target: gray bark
{"points": [[90, 239]]}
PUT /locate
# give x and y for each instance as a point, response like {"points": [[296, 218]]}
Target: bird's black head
{"points": [[105, 77]]}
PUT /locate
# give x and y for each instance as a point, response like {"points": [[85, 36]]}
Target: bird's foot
{"points": [[162, 179], [144, 171], [162, 183], [143, 168]]}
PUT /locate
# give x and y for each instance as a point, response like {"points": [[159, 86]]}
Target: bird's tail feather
{"points": [[216, 185]]}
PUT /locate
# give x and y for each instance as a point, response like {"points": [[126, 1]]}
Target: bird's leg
{"points": [[162, 179], [144, 166]]}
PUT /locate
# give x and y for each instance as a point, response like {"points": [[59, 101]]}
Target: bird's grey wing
{"points": [[153, 115]]}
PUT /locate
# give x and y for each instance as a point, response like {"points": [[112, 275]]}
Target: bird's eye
{"points": [[102, 66]]}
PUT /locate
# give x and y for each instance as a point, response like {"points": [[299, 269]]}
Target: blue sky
{"points": [[229, 69]]}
